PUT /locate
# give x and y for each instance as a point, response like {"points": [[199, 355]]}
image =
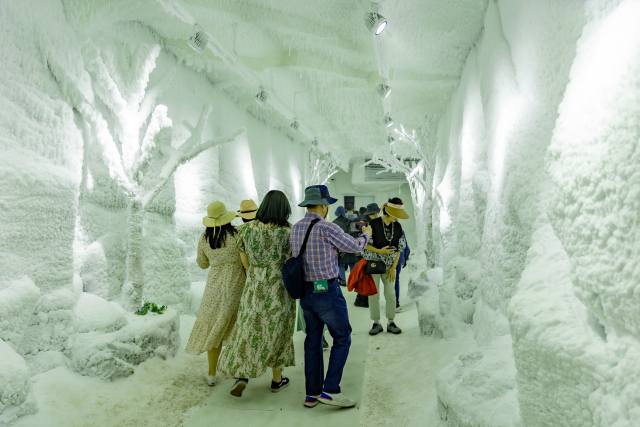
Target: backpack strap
{"points": [[306, 237]]}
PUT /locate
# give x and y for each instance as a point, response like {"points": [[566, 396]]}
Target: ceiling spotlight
{"points": [[315, 142], [199, 40], [295, 125], [383, 90], [388, 121], [262, 96], [375, 22], [390, 140]]}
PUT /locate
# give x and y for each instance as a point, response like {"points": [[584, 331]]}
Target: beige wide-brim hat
{"points": [[396, 211], [218, 215], [248, 209]]}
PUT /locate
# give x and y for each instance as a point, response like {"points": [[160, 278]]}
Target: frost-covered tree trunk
{"points": [[141, 163], [134, 285]]}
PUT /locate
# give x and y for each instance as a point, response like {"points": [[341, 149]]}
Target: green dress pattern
{"points": [[263, 335]]}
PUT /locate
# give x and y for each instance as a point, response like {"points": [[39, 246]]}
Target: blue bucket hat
{"points": [[341, 211], [317, 195]]}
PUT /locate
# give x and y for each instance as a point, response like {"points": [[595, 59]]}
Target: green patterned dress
{"points": [[263, 335]]}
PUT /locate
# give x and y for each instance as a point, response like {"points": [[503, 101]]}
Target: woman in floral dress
{"points": [[263, 336], [219, 307]]}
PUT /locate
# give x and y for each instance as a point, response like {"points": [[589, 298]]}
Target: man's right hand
{"points": [[367, 229], [387, 250]]}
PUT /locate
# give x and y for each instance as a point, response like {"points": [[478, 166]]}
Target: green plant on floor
{"points": [[150, 307]]}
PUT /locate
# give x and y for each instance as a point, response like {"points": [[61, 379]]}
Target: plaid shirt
{"points": [[321, 255]]}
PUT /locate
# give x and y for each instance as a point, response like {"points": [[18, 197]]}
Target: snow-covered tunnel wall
{"points": [[64, 227], [536, 211]]}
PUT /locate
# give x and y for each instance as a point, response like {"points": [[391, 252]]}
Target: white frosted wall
{"points": [[594, 163], [41, 152], [535, 199]]}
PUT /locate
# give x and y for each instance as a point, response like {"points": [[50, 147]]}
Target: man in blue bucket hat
{"points": [[323, 302]]}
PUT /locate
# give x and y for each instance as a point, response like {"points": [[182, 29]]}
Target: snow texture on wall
{"points": [[544, 124], [16, 397]]}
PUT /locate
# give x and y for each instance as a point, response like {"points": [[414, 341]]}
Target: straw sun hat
{"points": [[396, 211], [248, 209], [218, 215]]}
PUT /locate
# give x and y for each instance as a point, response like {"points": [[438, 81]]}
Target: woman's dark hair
{"points": [[217, 236], [245, 220], [395, 201], [274, 209]]}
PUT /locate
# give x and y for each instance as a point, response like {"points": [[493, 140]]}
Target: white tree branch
{"points": [[94, 118], [105, 86], [148, 103], [159, 121], [182, 155], [196, 134], [143, 63]]}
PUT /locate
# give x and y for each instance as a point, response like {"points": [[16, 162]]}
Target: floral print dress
{"points": [[221, 298], [263, 336]]}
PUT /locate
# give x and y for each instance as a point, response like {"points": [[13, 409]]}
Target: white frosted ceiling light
{"points": [[388, 121], [315, 142], [262, 96], [199, 40], [375, 22], [383, 90], [295, 125], [390, 140]]}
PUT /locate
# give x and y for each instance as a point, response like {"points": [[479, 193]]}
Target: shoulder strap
{"points": [[306, 238]]}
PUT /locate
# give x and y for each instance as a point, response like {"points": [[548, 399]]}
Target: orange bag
{"points": [[361, 282]]}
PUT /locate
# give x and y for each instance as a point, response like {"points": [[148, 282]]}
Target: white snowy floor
{"points": [[391, 376]]}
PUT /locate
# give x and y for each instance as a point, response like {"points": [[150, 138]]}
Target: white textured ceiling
{"points": [[320, 51]]}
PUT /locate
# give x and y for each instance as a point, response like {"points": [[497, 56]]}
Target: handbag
{"points": [[375, 267], [293, 270]]}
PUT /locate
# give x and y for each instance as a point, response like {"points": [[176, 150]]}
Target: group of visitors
{"points": [[348, 261], [246, 319]]}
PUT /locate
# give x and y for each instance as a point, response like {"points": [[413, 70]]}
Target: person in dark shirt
{"points": [[345, 259], [372, 211], [385, 246]]}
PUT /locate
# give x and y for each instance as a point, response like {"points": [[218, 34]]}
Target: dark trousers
{"points": [[319, 309], [398, 270]]}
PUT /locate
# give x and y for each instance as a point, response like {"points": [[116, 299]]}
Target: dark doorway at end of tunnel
{"points": [[349, 201]]}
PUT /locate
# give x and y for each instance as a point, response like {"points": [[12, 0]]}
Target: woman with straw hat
{"points": [[387, 241], [263, 337], [248, 210], [219, 307]]}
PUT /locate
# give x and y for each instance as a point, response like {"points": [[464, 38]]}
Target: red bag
{"points": [[361, 282]]}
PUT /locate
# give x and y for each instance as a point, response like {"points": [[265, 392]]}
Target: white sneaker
{"points": [[398, 309], [336, 399], [210, 379]]}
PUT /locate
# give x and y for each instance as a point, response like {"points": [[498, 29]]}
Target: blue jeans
{"points": [[342, 270], [326, 308], [398, 270]]}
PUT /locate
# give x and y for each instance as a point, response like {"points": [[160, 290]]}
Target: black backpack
{"points": [[293, 270]]}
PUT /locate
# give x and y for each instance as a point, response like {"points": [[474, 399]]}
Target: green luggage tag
{"points": [[320, 286]]}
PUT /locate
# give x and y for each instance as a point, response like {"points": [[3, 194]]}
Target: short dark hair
{"points": [[395, 201], [217, 236], [275, 209], [362, 210]]}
